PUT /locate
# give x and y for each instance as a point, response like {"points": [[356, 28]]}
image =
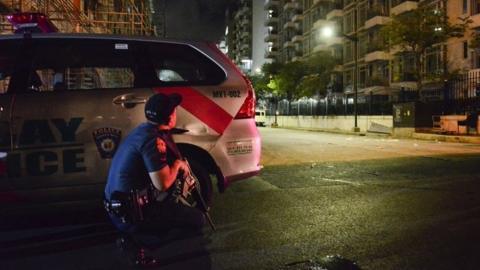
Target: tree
{"points": [[289, 78], [418, 30], [296, 79], [260, 84], [319, 68]]}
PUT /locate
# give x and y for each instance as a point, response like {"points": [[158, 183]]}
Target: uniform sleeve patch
{"points": [[161, 146]]}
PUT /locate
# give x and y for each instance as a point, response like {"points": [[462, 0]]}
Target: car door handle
{"points": [[128, 100]]}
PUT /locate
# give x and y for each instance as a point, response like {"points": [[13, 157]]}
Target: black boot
{"points": [[135, 253]]}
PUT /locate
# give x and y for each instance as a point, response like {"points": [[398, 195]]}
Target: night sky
{"points": [[196, 19]]}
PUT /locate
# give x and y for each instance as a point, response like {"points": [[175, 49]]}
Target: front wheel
{"points": [[206, 187]]}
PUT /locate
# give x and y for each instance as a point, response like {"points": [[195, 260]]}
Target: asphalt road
{"points": [[383, 203]]}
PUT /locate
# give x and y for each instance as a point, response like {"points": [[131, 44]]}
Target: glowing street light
{"points": [[328, 32]]}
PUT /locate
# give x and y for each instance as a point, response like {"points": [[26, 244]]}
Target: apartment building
{"points": [[126, 17], [239, 34], [460, 55], [272, 35], [381, 74], [284, 36]]}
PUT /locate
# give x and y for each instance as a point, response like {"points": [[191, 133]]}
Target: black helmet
{"points": [[159, 107]]}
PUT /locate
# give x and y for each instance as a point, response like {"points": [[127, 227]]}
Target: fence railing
{"points": [[325, 107], [457, 96]]}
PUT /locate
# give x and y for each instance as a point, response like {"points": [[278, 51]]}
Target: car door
{"points": [[14, 57], [71, 122], [5, 135]]}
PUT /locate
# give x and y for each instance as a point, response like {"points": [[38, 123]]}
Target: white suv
{"points": [[66, 102]]}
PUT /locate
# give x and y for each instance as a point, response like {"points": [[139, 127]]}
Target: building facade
{"points": [[123, 17], [239, 34], [294, 32]]}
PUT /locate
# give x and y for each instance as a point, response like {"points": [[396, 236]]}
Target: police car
{"points": [[68, 100]]}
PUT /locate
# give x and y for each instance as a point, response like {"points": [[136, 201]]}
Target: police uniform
{"points": [[147, 149]]}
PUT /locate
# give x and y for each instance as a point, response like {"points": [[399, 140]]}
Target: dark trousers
{"points": [[164, 216], [171, 215]]}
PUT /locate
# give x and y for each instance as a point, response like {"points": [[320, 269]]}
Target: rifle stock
{"points": [[200, 200]]}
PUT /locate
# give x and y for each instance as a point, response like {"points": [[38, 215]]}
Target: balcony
{"points": [[299, 7], [271, 54], [245, 34], [289, 25], [336, 13], [377, 21], [244, 47], [402, 6], [271, 21], [405, 77], [334, 41], [244, 10], [271, 36], [245, 20], [475, 21], [297, 38], [378, 56], [297, 18], [320, 23], [316, 2], [377, 10], [320, 47], [288, 6], [269, 4], [377, 80], [288, 44]]}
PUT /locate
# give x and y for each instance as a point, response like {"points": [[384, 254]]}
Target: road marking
{"points": [[341, 181]]}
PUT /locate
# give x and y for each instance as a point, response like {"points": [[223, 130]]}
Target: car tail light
{"points": [[248, 108], [29, 20]]}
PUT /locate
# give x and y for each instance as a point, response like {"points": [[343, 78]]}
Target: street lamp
{"points": [[328, 32]]}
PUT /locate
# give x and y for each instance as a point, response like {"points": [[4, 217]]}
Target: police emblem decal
{"points": [[107, 140]]}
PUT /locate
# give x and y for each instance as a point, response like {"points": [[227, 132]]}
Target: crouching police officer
{"points": [[149, 158]]}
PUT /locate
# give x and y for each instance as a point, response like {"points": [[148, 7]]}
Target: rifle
{"points": [[183, 193]]}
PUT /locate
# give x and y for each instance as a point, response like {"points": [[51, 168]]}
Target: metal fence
{"points": [[457, 96], [321, 107]]}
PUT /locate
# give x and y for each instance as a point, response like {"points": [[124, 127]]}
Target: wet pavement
{"points": [[380, 202]]}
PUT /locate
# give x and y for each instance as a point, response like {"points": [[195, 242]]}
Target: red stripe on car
{"points": [[201, 107]]}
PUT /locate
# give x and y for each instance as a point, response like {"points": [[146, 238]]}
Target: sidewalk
{"points": [[416, 135]]}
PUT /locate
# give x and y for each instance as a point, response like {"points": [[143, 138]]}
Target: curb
{"points": [[418, 136], [446, 138], [335, 131]]}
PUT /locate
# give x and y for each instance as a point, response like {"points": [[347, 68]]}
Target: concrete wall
{"points": [[382, 124]]}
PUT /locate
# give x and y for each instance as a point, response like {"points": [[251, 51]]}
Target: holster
{"points": [[129, 207], [119, 205]]}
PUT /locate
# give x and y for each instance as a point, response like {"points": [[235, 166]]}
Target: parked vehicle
{"points": [[67, 100], [260, 117]]}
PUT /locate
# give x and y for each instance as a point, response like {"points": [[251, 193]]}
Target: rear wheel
{"points": [[206, 187]]}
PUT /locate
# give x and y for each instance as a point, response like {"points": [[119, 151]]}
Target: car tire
{"points": [[206, 186]]}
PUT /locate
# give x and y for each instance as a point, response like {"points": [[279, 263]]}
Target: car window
{"points": [[84, 78], [74, 64], [180, 64], [168, 75], [65, 64]]}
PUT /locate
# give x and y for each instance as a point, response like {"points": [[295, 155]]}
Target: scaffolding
{"points": [[121, 17]]}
